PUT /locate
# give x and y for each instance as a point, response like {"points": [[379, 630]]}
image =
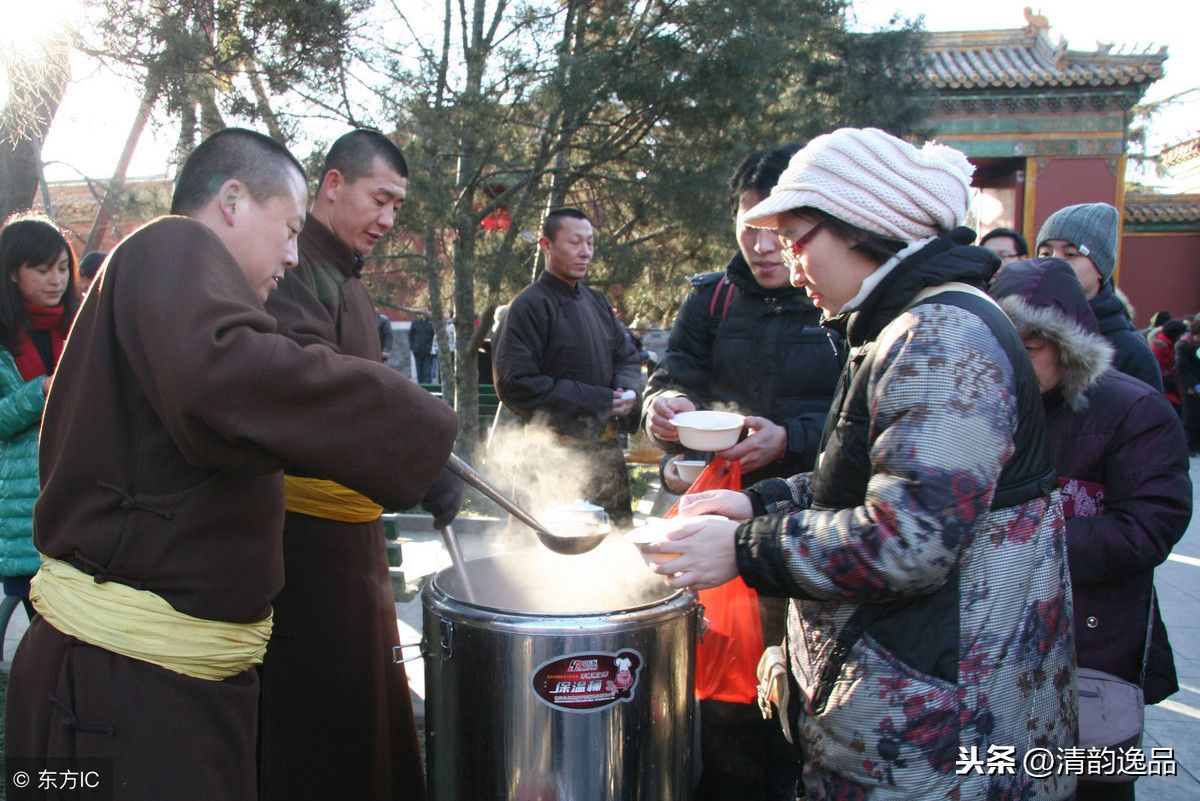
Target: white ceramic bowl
{"points": [[708, 431], [657, 530], [690, 469]]}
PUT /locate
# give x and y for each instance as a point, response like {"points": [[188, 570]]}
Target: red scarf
{"points": [[41, 318]]}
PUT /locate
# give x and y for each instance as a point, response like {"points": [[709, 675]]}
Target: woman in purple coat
{"points": [[1122, 464]]}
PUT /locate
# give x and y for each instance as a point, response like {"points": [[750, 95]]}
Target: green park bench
{"points": [[391, 540]]}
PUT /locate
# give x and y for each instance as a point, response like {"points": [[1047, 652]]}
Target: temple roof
{"points": [[1182, 152], [1023, 58], [1153, 208]]}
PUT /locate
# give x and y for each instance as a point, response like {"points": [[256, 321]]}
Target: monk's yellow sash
{"points": [[317, 497], [142, 625]]}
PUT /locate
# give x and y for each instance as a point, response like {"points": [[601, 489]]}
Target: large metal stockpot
{"points": [[563, 681]]}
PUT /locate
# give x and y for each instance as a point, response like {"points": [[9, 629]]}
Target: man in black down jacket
{"points": [[747, 339], [1085, 236]]}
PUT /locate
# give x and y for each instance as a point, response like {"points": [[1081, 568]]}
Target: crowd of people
{"points": [[961, 467], [998, 476]]}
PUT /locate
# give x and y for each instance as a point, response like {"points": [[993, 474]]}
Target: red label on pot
{"points": [[587, 682]]}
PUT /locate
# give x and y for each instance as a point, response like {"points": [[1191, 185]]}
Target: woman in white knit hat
{"points": [[930, 627]]}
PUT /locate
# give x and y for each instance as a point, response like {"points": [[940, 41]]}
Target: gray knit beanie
{"points": [[1091, 227]]}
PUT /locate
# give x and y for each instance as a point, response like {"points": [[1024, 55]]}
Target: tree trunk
{"points": [[467, 227], [188, 126], [574, 24], [36, 87], [264, 104], [437, 306], [116, 186], [466, 374], [211, 120], [18, 176]]}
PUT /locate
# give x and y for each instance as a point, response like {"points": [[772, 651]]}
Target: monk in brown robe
{"points": [[175, 410], [337, 718]]}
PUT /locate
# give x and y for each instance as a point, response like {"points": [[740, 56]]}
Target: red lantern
{"points": [[498, 220]]}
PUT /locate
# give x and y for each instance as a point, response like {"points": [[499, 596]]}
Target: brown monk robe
{"points": [[337, 718], [174, 410]]}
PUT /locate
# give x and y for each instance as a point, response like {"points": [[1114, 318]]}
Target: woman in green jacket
{"points": [[38, 300]]}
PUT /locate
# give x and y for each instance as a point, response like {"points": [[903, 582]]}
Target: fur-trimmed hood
{"points": [[1044, 299]]}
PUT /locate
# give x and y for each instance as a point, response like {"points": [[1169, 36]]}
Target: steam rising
{"points": [[730, 407], [522, 575], [538, 472]]}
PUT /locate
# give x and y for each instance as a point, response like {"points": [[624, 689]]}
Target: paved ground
{"points": [[1175, 723]]}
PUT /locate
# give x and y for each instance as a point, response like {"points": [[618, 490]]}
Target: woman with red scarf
{"points": [[38, 300]]}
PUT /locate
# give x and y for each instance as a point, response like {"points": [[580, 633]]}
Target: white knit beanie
{"points": [[874, 181]]}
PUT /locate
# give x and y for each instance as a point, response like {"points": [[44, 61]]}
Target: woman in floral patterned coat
{"points": [[930, 626], [1122, 463]]}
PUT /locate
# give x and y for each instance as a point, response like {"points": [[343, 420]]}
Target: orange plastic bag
{"points": [[727, 656]]}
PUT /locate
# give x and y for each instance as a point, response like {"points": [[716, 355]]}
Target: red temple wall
{"points": [[1066, 181], [1160, 271]]}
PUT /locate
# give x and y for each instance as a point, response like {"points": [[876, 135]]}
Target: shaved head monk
{"points": [[337, 718], [175, 409]]}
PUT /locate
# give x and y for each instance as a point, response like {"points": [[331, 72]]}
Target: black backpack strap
{"points": [[1149, 637]]}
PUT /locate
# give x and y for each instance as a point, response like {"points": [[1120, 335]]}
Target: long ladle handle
{"points": [[468, 474], [456, 558]]}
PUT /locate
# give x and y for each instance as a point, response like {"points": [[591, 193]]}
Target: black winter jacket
{"points": [[560, 353], [762, 351], [420, 337], [1187, 364], [1133, 356]]}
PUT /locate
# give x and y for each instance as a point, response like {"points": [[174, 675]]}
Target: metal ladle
{"points": [[555, 542], [456, 559]]}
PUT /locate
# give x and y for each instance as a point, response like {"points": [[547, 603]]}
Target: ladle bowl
{"points": [[570, 545], [588, 524]]}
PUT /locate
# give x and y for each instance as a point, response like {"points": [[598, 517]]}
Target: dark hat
{"points": [[1044, 299], [1173, 329], [90, 263], [1158, 318]]}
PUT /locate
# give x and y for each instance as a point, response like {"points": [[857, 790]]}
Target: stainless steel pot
{"points": [[528, 702]]}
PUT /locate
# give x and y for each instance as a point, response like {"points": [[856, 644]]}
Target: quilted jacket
{"points": [[964, 643], [20, 411]]}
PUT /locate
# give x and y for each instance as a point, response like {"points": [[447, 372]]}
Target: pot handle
{"points": [[701, 623], [397, 650], [447, 639]]}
